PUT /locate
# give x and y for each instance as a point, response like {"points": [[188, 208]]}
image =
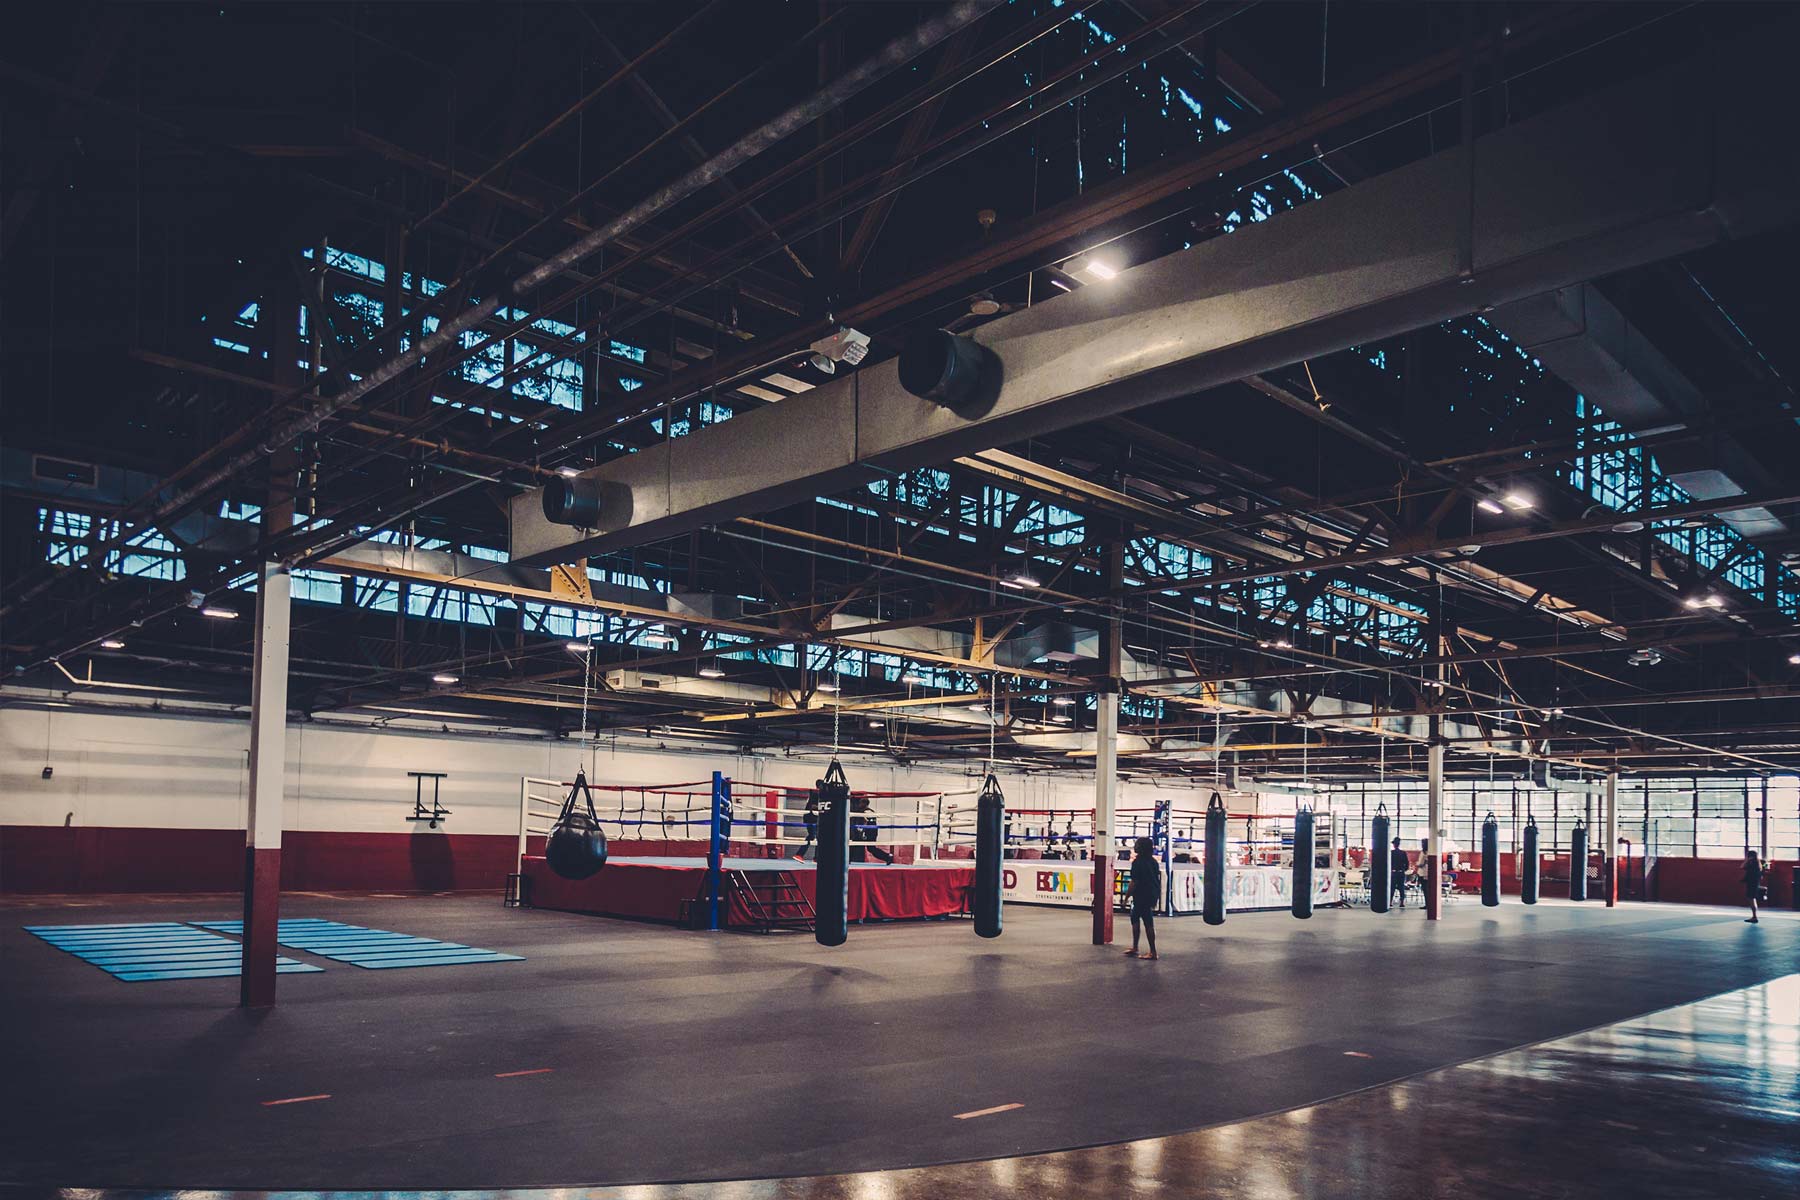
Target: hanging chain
{"points": [[837, 705], [993, 717], [1305, 770]]}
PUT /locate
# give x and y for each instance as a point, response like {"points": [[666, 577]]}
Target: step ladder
{"points": [[773, 899]]}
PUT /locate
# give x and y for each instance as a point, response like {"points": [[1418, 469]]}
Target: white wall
{"points": [[129, 769]]}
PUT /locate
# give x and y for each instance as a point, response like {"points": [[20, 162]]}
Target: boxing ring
{"points": [[1049, 858], [711, 854]]}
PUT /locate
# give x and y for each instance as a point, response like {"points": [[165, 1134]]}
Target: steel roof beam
{"points": [[1637, 174]]}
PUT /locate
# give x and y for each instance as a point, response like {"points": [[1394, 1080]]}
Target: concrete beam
{"points": [[1642, 172]]}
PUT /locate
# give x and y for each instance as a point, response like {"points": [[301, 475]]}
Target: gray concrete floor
{"points": [[678, 1056]]}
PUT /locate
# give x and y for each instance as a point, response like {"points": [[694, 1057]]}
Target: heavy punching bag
{"points": [[832, 902], [1381, 869], [1490, 861], [1528, 870], [1578, 860], [577, 845], [990, 840], [1304, 848], [1213, 869]]}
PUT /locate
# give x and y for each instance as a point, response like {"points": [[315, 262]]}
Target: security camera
{"points": [[846, 345]]}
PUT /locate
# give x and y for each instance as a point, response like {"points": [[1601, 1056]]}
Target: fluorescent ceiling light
{"points": [[443, 679], [912, 677], [713, 672], [1795, 659], [579, 647], [826, 687], [1062, 702], [112, 644], [1487, 505], [567, 472], [218, 614], [1517, 501]]}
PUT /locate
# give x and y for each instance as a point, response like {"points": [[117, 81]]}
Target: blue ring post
{"points": [[715, 853]]}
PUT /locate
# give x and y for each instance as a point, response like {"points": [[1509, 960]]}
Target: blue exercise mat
{"points": [[375, 949], [155, 950]]}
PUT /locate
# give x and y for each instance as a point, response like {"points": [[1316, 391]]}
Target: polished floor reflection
{"points": [[617, 1055], [1700, 1100]]}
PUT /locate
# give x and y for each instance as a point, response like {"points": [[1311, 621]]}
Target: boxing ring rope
{"points": [[772, 817], [722, 813]]}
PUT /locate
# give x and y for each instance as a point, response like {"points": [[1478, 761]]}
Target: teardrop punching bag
{"points": [[990, 837], [1212, 877], [1528, 870], [577, 845], [1304, 848], [1381, 870], [1578, 860], [1490, 861], [832, 899]]}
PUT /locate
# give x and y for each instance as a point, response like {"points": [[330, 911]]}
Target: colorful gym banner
{"points": [[1069, 883]]}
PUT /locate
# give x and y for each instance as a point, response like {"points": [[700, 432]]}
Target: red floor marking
{"points": [[515, 1074], [1357, 1054], [297, 1099], [987, 1112]]}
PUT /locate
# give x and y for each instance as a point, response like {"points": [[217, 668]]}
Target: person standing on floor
{"points": [[1146, 894], [1398, 866], [1753, 877]]}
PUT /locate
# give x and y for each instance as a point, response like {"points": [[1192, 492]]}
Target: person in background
{"points": [[862, 833], [1146, 894], [1398, 866], [811, 817], [1753, 877]]}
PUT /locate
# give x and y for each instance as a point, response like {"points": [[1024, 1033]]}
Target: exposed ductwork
{"points": [[1632, 176], [1594, 348]]}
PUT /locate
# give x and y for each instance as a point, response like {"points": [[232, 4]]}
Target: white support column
{"points": [[1434, 819], [268, 774], [1611, 880], [1106, 797]]}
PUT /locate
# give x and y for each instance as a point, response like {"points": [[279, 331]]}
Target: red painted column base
{"points": [[1103, 900], [262, 906]]}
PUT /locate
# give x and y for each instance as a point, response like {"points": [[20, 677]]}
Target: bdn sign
{"points": [[1050, 883]]}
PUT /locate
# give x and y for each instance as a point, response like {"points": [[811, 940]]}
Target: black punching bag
{"points": [[1305, 846], [1528, 870], [990, 839], [1578, 861], [1490, 861], [577, 845], [832, 860], [1212, 876], [1381, 869]]}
